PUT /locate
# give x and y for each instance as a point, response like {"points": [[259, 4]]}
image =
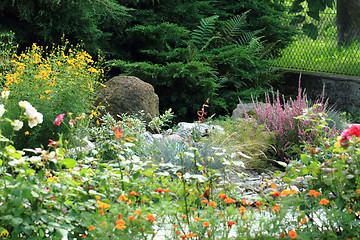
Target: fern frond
{"points": [[205, 31], [234, 28], [245, 38]]}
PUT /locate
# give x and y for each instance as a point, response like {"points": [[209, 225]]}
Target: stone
{"points": [[174, 137], [242, 108], [130, 95]]}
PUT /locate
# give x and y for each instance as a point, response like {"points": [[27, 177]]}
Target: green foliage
{"points": [[45, 77], [321, 55], [44, 22], [180, 86], [313, 9]]}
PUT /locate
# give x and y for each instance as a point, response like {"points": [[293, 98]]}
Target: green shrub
{"points": [[56, 81]]}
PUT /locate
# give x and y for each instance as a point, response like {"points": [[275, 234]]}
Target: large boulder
{"points": [[242, 108], [128, 94]]}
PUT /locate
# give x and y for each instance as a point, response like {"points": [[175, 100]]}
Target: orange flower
{"points": [[120, 224], [201, 196], [212, 203], [358, 191], [258, 203], [273, 185], [196, 219], [138, 211], [229, 200], [133, 193], [204, 201], [101, 212], [285, 192], [119, 215], [151, 218], [242, 210], [206, 224], [193, 209], [190, 235], [293, 191], [243, 217], [302, 221], [230, 223], [177, 232], [275, 193], [160, 190], [223, 196], [97, 197], [102, 204], [292, 234], [175, 226], [245, 202], [314, 193], [324, 201], [282, 235], [123, 197], [183, 216], [91, 228], [276, 208], [131, 218]]}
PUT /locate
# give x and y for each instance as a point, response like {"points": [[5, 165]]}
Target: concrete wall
{"points": [[343, 93]]}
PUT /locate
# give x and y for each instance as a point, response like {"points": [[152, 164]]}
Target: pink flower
{"points": [[71, 122], [59, 119]]}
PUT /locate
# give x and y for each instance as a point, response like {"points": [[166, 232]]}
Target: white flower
{"points": [[2, 110], [19, 161], [5, 94], [24, 104], [35, 159], [35, 117], [17, 125], [30, 111]]}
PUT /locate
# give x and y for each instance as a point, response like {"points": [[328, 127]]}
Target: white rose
{"points": [[5, 94], [17, 125], [19, 161], [30, 111], [24, 104], [2, 110], [35, 159]]}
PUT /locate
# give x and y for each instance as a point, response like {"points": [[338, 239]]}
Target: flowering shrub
{"points": [[49, 79], [280, 118]]}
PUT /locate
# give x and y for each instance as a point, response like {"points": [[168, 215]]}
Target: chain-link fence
{"points": [[324, 54]]}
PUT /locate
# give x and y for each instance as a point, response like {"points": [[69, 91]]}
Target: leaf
{"points": [[310, 30], [244, 155], [17, 221], [69, 162], [283, 164], [297, 19], [61, 233], [305, 159]]}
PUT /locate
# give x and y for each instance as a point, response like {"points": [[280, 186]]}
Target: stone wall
{"points": [[343, 93]]}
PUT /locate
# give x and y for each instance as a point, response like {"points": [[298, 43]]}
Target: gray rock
{"points": [[128, 94]]}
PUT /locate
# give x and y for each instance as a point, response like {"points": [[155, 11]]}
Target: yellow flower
{"points": [[4, 234], [47, 91], [51, 179], [102, 204]]}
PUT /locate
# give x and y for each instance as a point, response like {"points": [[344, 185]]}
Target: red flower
{"points": [[223, 196], [230, 223], [59, 119]]}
